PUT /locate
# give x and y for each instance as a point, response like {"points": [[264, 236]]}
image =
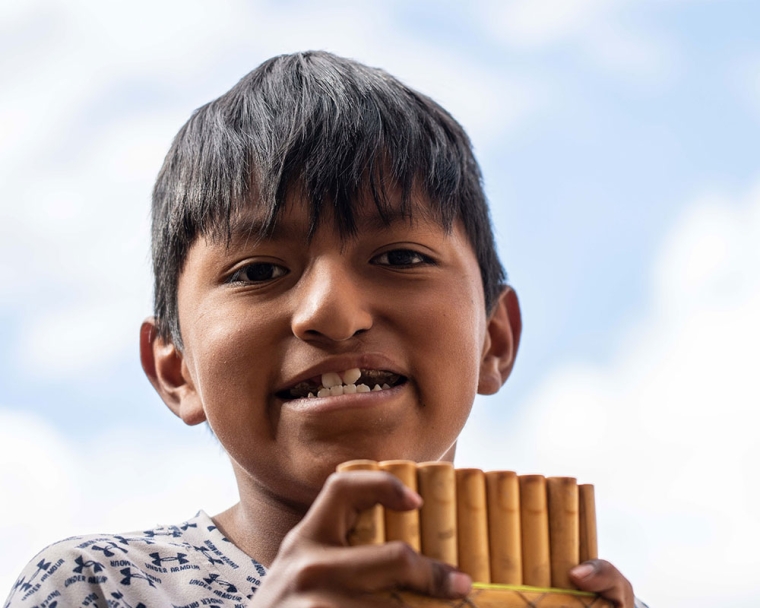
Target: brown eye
{"points": [[402, 258], [258, 273]]}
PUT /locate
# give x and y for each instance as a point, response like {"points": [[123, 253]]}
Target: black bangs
{"points": [[329, 128]]}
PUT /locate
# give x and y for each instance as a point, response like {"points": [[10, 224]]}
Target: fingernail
{"points": [[582, 571], [459, 583]]}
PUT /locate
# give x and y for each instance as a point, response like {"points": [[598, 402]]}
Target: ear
{"points": [[501, 343], [167, 371]]}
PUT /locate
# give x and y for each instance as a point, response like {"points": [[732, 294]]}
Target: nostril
{"points": [[331, 305], [339, 326]]}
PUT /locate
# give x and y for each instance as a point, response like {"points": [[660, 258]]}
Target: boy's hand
{"points": [[602, 577], [316, 567]]}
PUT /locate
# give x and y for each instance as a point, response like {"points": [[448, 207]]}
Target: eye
{"points": [[259, 272], [401, 258]]}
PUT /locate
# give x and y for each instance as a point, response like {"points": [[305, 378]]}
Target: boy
{"points": [[326, 288]]}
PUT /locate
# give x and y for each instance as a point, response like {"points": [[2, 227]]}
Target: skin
{"points": [[260, 315]]}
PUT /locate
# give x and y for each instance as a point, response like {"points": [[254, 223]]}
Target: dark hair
{"points": [[333, 128]]}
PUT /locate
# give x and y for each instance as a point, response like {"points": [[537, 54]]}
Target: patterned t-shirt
{"points": [[188, 566]]}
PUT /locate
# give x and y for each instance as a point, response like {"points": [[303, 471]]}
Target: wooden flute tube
{"points": [[587, 520], [472, 524], [369, 528], [503, 491], [534, 523], [562, 498], [438, 515], [403, 525]]}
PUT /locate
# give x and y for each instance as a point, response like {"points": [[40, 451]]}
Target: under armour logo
{"points": [[214, 578], [42, 566], [25, 585], [126, 541], [158, 560], [81, 565], [19, 584], [211, 560], [107, 549], [129, 575]]}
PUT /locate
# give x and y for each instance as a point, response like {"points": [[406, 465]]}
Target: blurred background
{"points": [[619, 144]]}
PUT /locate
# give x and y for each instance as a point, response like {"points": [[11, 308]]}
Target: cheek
{"points": [[231, 351], [448, 338]]}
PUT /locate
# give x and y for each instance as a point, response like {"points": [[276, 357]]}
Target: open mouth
{"points": [[333, 384]]}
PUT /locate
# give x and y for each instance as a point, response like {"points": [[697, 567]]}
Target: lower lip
{"points": [[340, 402]]}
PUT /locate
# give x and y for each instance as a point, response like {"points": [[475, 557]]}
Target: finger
{"points": [[600, 576], [373, 568], [344, 495], [395, 565]]}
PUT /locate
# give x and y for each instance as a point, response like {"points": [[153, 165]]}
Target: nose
{"points": [[330, 303]]}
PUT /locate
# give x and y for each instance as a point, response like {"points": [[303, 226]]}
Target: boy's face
{"points": [[261, 318]]}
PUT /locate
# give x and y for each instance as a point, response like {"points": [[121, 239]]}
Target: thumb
{"points": [[600, 576]]}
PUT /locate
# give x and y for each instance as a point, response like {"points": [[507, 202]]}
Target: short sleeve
{"points": [[65, 575]]}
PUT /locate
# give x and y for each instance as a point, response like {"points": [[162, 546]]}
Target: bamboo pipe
{"points": [[472, 524], [534, 520], [503, 491], [534, 504], [587, 521], [562, 498], [438, 515], [403, 525]]}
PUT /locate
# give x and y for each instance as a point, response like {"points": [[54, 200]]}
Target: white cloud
{"points": [[594, 28], [643, 58], [122, 479], [75, 250], [669, 430], [533, 25], [79, 339]]}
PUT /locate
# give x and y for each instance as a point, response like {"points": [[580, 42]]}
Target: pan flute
{"points": [[517, 536]]}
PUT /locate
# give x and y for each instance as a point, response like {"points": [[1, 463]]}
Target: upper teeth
{"points": [[334, 384], [350, 376], [331, 379]]}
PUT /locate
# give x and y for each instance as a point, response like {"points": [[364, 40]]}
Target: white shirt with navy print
{"points": [[186, 566]]}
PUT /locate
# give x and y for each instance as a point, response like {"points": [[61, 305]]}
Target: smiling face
{"points": [[303, 353]]}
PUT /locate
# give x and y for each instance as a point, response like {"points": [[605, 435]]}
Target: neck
{"points": [[258, 523]]}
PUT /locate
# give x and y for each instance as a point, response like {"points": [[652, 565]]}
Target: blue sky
{"points": [[618, 142]]}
